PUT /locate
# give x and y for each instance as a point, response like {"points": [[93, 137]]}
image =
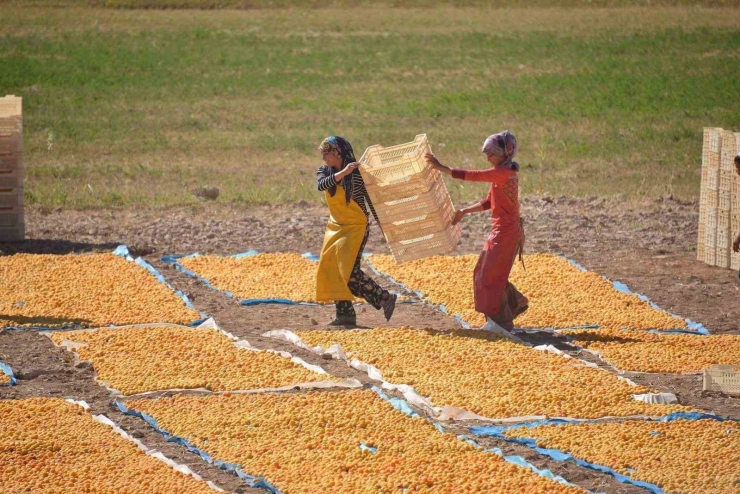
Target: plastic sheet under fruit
{"points": [[558, 455], [448, 412], [72, 346], [5, 369], [184, 469], [123, 251]]}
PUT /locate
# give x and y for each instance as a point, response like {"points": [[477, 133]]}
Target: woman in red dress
{"points": [[495, 296]]}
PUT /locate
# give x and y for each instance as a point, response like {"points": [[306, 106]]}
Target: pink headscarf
{"points": [[502, 144]]}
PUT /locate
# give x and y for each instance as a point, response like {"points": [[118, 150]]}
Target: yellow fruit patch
{"points": [[310, 442], [491, 377], [140, 359], [92, 290], [686, 456], [560, 295], [49, 446], [641, 351]]}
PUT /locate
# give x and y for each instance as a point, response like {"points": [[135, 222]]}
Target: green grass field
{"points": [[126, 107]]}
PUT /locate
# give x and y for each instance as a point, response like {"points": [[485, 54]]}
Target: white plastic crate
{"points": [[723, 378], [710, 255], [725, 179], [711, 199], [714, 139], [381, 166], [406, 208], [423, 182], [723, 257], [724, 200], [735, 260], [438, 243], [419, 226], [712, 178], [711, 231], [700, 250], [728, 150], [11, 106]]}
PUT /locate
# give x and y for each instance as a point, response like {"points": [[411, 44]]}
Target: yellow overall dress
{"points": [[342, 241]]}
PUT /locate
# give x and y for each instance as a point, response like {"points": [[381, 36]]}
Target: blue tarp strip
{"points": [[229, 467], [519, 461], [5, 368], [499, 432], [398, 403]]}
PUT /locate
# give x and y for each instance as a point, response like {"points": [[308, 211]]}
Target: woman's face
{"points": [[493, 159], [331, 158]]}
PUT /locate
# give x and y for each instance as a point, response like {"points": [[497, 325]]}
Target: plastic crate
{"points": [[11, 163], [381, 166], [12, 233], [724, 200], [711, 199], [11, 181], [735, 260], [722, 378], [728, 150], [725, 179], [12, 217], [710, 239], [11, 126], [11, 198], [438, 243], [11, 106], [700, 250], [735, 197], [419, 226], [712, 182], [437, 199], [713, 139], [710, 255], [723, 257], [423, 182]]}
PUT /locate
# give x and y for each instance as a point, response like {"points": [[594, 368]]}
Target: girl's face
{"points": [[331, 158], [494, 160]]}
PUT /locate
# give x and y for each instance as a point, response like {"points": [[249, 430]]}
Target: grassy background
{"points": [[138, 107]]}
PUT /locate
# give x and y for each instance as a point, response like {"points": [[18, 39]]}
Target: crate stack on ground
{"points": [[12, 224], [410, 197], [728, 161], [719, 209]]}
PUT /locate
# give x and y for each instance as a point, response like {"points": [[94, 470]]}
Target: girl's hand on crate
{"points": [[432, 160], [459, 214], [736, 244], [346, 170]]}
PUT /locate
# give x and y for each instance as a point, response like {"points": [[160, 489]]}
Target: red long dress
{"points": [[494, 295]]}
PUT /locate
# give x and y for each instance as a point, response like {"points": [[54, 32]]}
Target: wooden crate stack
{"points": [[412, 202], [719, 208], [12, 224]]}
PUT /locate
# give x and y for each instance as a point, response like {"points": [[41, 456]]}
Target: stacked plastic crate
{"points": [[735, 194], [412, 202], [709, 198], [12, 224]]}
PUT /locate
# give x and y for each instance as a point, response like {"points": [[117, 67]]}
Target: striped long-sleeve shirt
{"points": [[325, 180]]}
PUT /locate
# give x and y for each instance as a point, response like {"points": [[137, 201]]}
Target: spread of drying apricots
{"points": [[91, 290], [322, 442], [48, 445], [140, 359]]}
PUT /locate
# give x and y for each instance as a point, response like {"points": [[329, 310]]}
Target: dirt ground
{"points": [[650, 247]]}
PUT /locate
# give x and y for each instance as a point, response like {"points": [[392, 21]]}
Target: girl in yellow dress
{"points": [[339, 277]]}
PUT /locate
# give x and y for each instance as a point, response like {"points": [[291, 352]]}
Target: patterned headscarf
{"points": [[344, 148], [502, 144]]}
